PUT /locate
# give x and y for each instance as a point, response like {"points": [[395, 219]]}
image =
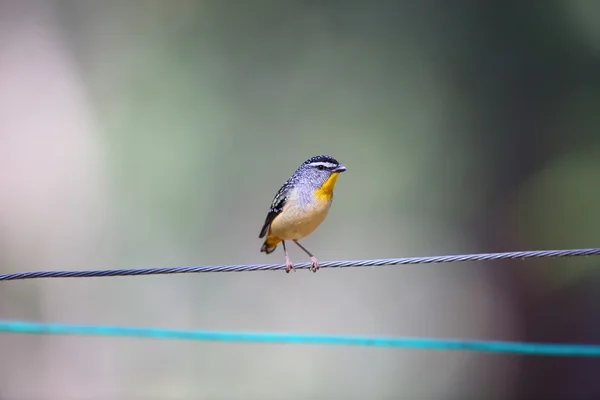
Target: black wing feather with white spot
{"points": [[276, 207]]}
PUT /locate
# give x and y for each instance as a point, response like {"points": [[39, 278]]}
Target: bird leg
{"points": [[288, 263], [313, 260]]}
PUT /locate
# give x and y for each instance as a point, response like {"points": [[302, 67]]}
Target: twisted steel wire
{"points": [[327, 264]]}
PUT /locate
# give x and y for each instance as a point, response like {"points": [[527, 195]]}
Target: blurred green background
{"points": [[140, 134]]}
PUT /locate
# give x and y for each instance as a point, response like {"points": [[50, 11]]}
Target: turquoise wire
{"points": [[546, 349]]}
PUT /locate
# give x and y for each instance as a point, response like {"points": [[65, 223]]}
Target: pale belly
{"points": [[296, 225]]}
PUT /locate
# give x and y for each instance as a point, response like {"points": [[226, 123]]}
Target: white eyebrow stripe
{"points": [[327, 165]]}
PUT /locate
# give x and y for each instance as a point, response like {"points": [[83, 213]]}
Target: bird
{"points": [[300, 206]]}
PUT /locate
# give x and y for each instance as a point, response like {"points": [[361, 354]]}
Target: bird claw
{"points": [[289, 266], [314, 264]]}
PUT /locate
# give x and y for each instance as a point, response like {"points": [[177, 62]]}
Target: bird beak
{"points": [[340, 168]]}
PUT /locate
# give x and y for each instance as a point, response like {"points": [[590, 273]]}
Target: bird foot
{"points": [[289, 266], [315, 264]]}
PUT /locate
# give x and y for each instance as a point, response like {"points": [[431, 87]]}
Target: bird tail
{"points": [[269, 245]]}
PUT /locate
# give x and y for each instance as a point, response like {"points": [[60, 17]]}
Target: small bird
{"points": [[300, 206]]}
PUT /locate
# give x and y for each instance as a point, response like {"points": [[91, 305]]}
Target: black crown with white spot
{"points": [[322, 162]]}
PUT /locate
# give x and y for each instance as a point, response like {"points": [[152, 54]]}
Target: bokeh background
{"points": [[152, 133]]}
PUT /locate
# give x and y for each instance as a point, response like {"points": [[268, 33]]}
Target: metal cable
{"points": [[327, 264]]}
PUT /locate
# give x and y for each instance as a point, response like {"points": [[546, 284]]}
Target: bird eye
{"points": [[320, 167]]}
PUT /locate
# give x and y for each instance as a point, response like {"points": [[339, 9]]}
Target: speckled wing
{"points": [[276, 207]]}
